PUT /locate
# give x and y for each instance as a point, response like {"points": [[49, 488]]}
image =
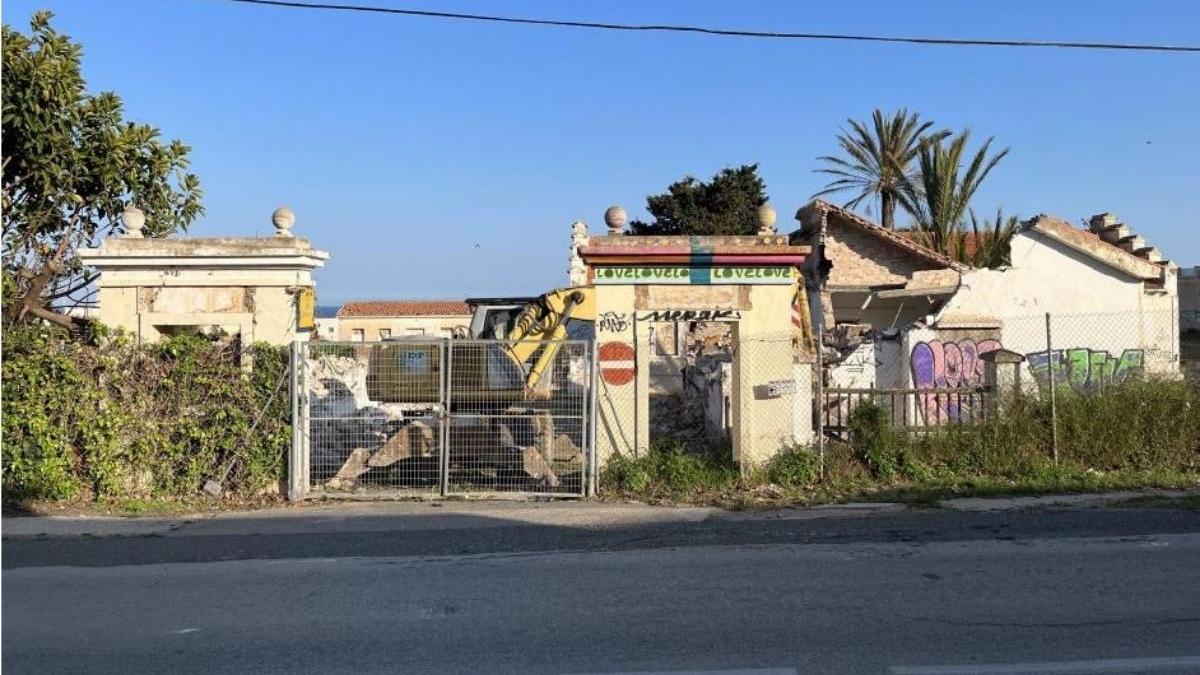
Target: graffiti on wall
{"points": [[941, 365], [612, 322], [690, 315], [1085, 369]]}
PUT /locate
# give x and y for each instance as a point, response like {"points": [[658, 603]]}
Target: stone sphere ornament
{"points": [[766, 219], [615, 218], [134, 220], [283, 219]]}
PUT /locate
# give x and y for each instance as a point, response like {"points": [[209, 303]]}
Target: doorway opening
{"points": [[691, 366]]}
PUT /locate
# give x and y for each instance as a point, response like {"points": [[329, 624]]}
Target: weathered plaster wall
{"points": [[247, 286], [1092, 305], [763, 338]]}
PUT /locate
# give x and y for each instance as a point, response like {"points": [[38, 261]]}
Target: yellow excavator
{"points": [[517, 366]]}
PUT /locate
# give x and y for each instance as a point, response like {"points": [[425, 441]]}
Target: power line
{"points": [[668, 28]]}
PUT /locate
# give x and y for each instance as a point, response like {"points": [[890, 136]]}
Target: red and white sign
{"points": [[617, 365]]}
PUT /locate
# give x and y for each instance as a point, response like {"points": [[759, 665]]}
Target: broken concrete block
{"points": [[355, 466], [413, 440], [565, 450], [536, 466]]}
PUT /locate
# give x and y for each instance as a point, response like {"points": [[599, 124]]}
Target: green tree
{"points": [[986, 244], [728, 204], [992, 241], [71, 165], [878, 159], [939, 196]]}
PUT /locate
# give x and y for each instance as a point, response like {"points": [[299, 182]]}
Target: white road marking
{"points": [[1143, 665], [739, 671], [736, 671]]}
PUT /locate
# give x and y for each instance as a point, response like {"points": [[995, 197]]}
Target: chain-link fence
{"points": [[435, 417], [951, 373]]}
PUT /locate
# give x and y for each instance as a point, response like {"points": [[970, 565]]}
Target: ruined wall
{"points": [[861, 259], [1093, 308], [247, 286]]}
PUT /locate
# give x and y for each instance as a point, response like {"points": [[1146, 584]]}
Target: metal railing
{"points": [[906, 408]]}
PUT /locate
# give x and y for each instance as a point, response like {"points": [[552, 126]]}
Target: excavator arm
{"points": [[541, 328]]}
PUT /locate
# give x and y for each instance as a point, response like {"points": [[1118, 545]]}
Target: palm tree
{"points": [[877, 159], [939, 195], [992, 241]]}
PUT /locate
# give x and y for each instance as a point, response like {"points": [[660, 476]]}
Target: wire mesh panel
{"points": [[518, 416], [374, 415]]}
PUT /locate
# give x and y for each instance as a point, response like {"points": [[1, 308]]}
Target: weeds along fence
{"points": [[425, 417], [1099, 388]]}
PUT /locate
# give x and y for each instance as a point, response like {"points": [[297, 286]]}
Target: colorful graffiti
{"points": [[1085, 369], [938, 365]]}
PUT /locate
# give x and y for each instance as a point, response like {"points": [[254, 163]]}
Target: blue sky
{"points": [[440, 158]]}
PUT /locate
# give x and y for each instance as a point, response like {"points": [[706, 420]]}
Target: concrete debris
{"points": [[709, 338], [413, 440], [565, 450], [698, 414], [355, 466], [349, 372], [536, 466]]}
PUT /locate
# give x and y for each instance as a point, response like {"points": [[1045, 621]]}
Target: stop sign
{"points": [[617, 365]]}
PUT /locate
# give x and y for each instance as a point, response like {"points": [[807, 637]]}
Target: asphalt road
{"points": [[1053, 591]]}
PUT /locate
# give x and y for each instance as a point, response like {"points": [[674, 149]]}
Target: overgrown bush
{"points": [[668, 470], [796, 466], [872, 436], [114, 419]]}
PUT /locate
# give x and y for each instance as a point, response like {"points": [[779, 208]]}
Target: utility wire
{"points": [[668, 28]]}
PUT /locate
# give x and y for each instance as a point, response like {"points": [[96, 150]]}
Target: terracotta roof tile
{"points": [[404, 308]]}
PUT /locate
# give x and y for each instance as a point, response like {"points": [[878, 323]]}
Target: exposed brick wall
{"points": [[860, 259]]}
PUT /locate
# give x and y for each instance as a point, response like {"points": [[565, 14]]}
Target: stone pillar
{"points": [[576, 270]]}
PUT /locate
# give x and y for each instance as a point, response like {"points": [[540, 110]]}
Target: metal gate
{"points": [[426, 418]]}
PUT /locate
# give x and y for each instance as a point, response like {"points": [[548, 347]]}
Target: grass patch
{"points": [[668, 471], [1136, 435]]}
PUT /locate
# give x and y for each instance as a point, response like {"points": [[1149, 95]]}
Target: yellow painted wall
{"points": [[763, 423]]}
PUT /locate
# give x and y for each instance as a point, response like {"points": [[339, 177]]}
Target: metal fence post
{"points": [[819, 408], [1051, 375], [593, 405], [447, 363], [296, 476]]}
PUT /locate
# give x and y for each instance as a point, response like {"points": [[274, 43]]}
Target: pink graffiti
{"points": [[941, 365]]}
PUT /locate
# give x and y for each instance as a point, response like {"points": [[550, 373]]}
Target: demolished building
{"points": [[898, 315]]}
